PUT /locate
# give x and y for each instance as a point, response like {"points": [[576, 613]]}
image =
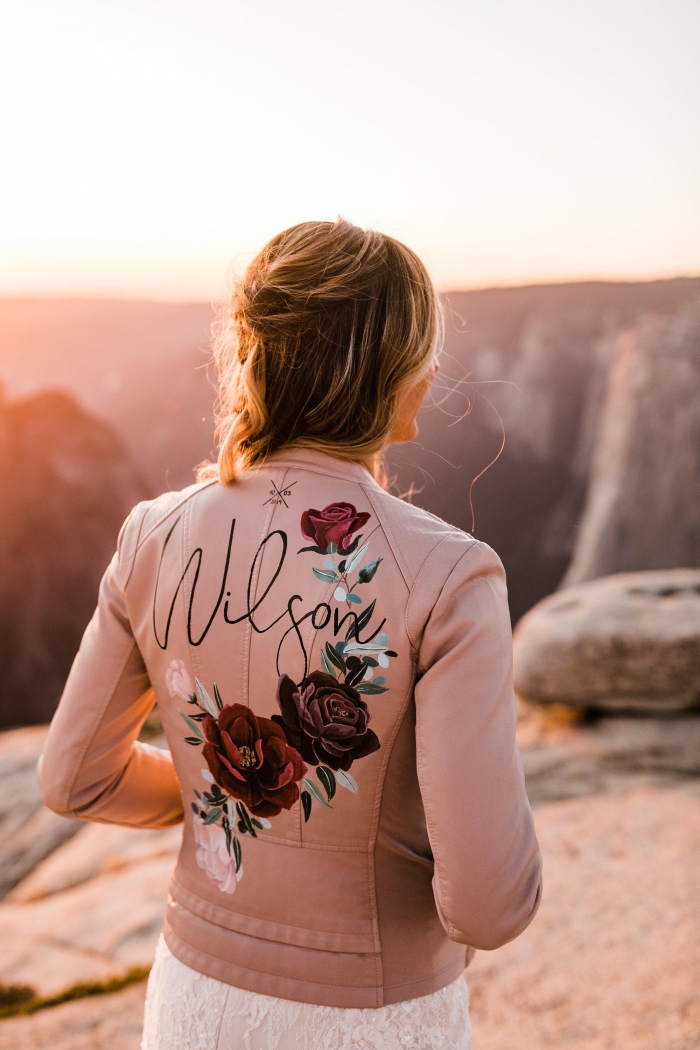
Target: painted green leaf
{"points": [[357, 557], [227, 829], [370, 688], [237, 853], [367, 571], [332, 548], [362, 621], [217, 697], [346, 781], [196, 741], [326, 666], [369, 661], [245, 819], [306, 804], [355, 598], [356, 676], [379, 679], [353, 546], [327, 778], [206, 701], [212, 816], [368, 648], [195, 807], [335, 658], [315, 792], [193, 726], [326, 575]]}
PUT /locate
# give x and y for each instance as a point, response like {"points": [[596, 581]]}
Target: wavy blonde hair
{"points": [[328, 327]]}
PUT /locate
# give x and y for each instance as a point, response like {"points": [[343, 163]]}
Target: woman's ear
{"points": [[405, 427]]}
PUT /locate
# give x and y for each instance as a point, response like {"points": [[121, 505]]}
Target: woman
{"points": [[333, 671]]}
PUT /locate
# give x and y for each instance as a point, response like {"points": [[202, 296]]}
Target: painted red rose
{"points": [[334, 524], [326, 720], [250, 758]]}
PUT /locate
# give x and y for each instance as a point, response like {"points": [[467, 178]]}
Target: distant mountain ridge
{"points": [[139, 365]]}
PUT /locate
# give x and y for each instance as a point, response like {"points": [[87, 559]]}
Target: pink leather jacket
{"points": [[333, 671]]}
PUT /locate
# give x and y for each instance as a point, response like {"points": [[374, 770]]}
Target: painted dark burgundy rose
{"points": [[326, 720], [334, 524], [250, 758]]}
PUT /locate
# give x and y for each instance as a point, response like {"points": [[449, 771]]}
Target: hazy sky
{"points": [[148, 144]]}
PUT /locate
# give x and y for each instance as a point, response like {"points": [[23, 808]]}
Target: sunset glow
{"points": [[149, 145]]}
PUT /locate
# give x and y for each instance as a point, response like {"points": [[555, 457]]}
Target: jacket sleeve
{"points": [[93, 767], [487, 877]]}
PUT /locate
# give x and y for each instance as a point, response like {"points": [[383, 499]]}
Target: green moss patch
{"points": [[17, 999]]}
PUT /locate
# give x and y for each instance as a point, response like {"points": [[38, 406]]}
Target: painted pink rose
{"points": [[334, 524], [178, 680], [213, 857]]}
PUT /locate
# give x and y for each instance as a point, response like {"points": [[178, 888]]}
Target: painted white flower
{"points": [[383, 659], [340, 594], [212, 856], [178, 680], [368, 674]]}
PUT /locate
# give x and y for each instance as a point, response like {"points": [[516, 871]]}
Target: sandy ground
{"points": [[612, 960]]}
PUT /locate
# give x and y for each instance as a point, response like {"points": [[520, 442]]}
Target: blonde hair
{"points": [[328, 327]]}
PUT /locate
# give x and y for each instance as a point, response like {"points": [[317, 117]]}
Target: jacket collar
{"points": [[321, 463]]}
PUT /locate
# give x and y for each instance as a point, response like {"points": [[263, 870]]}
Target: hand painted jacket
{"points": [[332, 667]]}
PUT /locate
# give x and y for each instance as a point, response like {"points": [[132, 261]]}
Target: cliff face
{"points": [[533, 362], [66, 485], [643, 504]]}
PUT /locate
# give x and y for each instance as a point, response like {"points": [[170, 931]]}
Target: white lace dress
{"points": [[187, 1011]]}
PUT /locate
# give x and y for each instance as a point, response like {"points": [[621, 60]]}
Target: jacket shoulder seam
{"points": [[393, 544], [471, 546], [427, 558], [140, 540]]}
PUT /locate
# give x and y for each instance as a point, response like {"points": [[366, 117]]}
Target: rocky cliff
{"points": [[66, 485], [532, 363], [642, 509]]}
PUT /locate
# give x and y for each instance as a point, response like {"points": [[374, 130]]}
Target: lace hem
{"points": [[187, 1011]]}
